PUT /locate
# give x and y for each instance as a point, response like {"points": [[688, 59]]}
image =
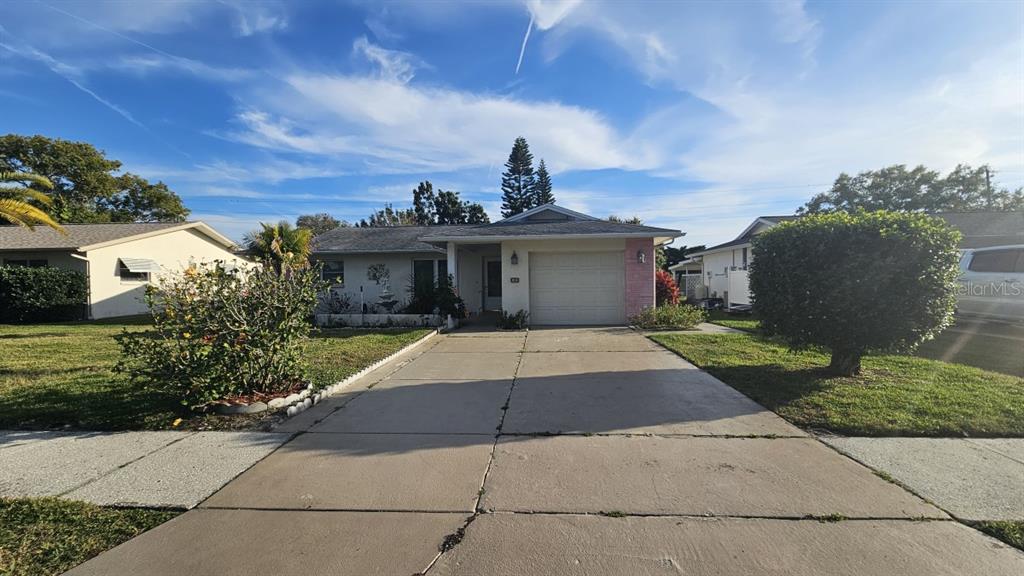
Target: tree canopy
{"points": [[430, 208], [319, 223], [542, 193], [855, 283], [518, 181], [87, 186], [896, 188], [280, 244]]}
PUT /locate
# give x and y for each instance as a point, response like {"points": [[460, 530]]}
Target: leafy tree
{"points": [[448, 209], [517, 182], [475, 214], [676, 255], [86, 184], [620, 220], [430, 208], [855, 283], [15, 197], [965, 189], [280, 245], [319, 223], [388, 216], [542, 189], [423, 202]]}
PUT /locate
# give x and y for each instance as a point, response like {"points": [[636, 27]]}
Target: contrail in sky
{"points": [[523, 49]]}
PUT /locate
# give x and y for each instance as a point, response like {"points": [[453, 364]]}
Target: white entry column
{"points": [[453, 264]]}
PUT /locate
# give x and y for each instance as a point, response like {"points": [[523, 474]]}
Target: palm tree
{"points": [[16, 191], [280, 244]]}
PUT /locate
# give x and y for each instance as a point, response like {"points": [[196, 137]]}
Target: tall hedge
{"points": [[44, 294], [855, 283]]}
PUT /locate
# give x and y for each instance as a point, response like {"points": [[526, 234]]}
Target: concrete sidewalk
{"points": [[972, 479], [157, 469]]}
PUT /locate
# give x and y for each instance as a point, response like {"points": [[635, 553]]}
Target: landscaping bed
{"points": [[894, 396], [46, 536], [61, 376]]}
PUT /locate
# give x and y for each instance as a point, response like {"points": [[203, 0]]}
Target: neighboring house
{"points": [[986, 229], [725, 266], [561, 266], [119, 260], [689, 276]]}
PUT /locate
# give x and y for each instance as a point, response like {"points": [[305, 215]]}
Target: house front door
{"points": [[492, 284]]}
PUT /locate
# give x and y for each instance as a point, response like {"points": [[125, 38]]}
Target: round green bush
{"points": [[855, 283]]}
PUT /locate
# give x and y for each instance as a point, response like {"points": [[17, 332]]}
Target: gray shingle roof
{"points": [[569, 227], [981, 229], [411, 238], [384, 239], [78, 235], [745, 238]]}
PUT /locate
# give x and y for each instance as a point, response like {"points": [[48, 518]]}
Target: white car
{"points": [[992, 283]]}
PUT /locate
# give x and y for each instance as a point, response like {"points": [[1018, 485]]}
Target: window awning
{"points": [[140, 265]]}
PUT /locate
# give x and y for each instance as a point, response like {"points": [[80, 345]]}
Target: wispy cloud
{"points": [[544, 15], [390, 126], [71, 74], [392, 65]]}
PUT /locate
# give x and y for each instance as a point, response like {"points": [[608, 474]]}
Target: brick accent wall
{"points": [[639, 277]]}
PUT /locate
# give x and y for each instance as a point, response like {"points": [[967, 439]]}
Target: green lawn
{"points": [[60, 375], [895, 395], [44, 536], [746, 323], [1011, 532], [989, 345]]}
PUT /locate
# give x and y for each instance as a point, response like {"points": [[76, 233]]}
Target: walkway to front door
{"points": [[565, 451]]}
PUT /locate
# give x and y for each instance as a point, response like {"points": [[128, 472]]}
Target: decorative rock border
{"points": [[308, 397]]}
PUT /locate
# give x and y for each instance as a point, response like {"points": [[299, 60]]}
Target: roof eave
{"points": [[199, 225], [666, 235]]}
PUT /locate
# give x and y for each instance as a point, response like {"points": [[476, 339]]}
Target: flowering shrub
{"points": [[669, 317], [220, 335], [665, 289]]}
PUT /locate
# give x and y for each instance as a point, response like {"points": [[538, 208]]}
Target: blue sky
{"points": [[697, 115]]}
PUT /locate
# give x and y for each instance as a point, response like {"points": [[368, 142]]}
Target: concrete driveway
{"points": [[564, 451]]}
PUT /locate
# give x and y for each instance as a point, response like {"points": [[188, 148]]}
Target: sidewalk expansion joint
{"points": [[130, 462]]}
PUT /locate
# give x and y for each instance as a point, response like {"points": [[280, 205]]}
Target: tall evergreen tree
{"points": [[517, 181], [423, 200], [448, 208], [542, 190]]}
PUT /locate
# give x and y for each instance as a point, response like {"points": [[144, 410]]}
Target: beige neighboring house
{"points": [[119, 260]]}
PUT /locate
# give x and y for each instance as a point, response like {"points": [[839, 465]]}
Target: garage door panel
{"points": [[577, 288]]}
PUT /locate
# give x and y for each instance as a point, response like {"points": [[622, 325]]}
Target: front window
{"points": [[442, 269], [333, 271], [423, 272]]}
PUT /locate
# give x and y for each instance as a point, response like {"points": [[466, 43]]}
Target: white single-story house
{"points": [[119, 260], [725, 266], [689, 276], [560, 266]]}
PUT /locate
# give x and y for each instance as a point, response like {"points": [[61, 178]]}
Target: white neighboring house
{"points": [[725, 266], [689, 276], [119, 260]]}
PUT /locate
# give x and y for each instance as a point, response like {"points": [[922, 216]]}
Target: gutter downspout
{"points": [[88, 284]]}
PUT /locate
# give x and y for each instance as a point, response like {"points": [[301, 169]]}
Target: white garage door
{"points": [[577, 288]]}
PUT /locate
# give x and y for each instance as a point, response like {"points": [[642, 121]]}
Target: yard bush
{"points": [[855, 283], [515, 321], [670, 317], [220, 335], [45, 294], [426, 296], [666, 291]]}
